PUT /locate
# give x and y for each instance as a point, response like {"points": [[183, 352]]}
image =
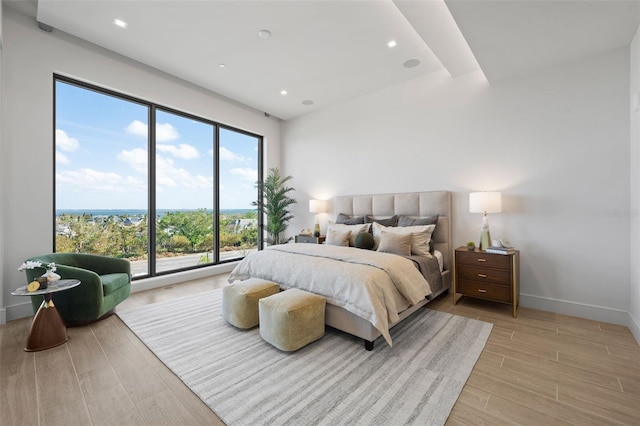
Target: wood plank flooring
{"points": [[541, 368]]}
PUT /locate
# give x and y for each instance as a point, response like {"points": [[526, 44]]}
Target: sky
{"points": [[101, 157]]}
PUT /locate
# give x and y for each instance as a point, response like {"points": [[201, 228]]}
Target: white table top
{"points": [[52, 287]]}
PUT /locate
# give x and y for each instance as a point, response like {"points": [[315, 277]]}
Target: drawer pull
{"points": [[481, 290], [482, 275], [482, 260]]}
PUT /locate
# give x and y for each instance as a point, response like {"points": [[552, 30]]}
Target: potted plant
{"points": [[275, 204], [471, 246]]}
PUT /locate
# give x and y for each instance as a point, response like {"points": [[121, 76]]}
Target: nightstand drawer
{"points": [[485, 275], [484, 291], [476, 258]]}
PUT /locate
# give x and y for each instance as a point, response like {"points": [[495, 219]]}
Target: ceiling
{"points": [[323, 52]]}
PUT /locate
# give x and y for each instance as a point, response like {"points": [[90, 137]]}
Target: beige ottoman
{"points": [[240, 301], [292, 319]]}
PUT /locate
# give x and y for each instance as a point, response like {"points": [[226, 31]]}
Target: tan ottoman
{"points": [[292, 319], [240, 301]]}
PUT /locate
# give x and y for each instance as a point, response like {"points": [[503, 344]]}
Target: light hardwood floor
{"points": [[539, 369]]}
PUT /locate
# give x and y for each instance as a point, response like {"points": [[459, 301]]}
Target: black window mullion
{"points": [[216, 195], [151, 218], [259, 196]]}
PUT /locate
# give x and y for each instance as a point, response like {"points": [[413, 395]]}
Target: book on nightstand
{"points": [[500, 250]]}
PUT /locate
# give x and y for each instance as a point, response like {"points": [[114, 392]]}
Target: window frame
{"points": [[153, 107]]}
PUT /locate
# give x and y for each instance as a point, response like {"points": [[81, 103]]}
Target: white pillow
{"points": [[421, 235], [391, 242], [354, 229], [337, 238]]}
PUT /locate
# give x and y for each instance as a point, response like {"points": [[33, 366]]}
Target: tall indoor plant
{"points": [[275, 204]]}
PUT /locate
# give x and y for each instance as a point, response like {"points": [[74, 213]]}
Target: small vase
{"points": [[43, 283]]}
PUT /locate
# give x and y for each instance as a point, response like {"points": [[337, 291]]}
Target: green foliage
{"points": [[177, 233], [275, 204], [192, 225]]}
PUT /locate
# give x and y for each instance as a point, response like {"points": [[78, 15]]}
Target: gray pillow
{"points": [[428, 220], [345, 219], [390, 221], [409, 221]]}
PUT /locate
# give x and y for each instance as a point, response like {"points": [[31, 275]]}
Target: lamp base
{"points": [[485, 240]]}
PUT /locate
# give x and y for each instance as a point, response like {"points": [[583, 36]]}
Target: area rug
{"points": [[333, 381]]}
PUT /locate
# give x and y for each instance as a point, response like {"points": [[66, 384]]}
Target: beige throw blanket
{"points": [[361, 281]]}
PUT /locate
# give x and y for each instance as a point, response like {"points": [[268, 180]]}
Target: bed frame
{"points": [[416, 204]]}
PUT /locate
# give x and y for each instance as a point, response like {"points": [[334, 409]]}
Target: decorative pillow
{"points": [[421, 235], [364, 240], [349, 220], [428, 220], [409, 221], [354, 229], [395, 243], [337, 238], [389, 221]]}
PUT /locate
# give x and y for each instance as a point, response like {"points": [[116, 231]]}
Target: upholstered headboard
{"points": [[414, 204]]}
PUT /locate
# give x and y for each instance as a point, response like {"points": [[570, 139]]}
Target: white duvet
{"points": [[365, 283]]}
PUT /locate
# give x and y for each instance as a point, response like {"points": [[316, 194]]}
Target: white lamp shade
{"points": [[318, 206], [485, 202]]}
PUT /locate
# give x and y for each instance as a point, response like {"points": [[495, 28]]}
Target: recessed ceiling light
{"points": [[119, 23], [221, 65], [307, 102], [283, 92], [411, 63], [264, 34], [392, 43]]}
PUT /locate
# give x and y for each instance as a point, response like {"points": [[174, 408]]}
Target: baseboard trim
{"points": [[565, 307], [19, 310], [634, 327], [3, 316], [180, 277]]}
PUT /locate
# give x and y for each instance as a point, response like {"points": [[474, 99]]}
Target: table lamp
{"points": [[485, 202], [317, 207]]}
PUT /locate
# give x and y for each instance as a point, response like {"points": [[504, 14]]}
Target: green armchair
{"points": [[105, 282]]}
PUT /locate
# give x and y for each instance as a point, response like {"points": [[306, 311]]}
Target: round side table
{"points": [[47, 329]]}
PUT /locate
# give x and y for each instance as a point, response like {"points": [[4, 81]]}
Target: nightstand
{"points": [[488, 276], [309, 239]]}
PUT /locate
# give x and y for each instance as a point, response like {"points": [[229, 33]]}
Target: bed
{"points": [[328, 269]]}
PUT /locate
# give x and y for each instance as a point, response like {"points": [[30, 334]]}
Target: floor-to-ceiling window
{"points": [[165, 189]]}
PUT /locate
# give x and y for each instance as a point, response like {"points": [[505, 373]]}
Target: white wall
{"points": [[3, 311], [29, 58], [634, 195], [555, 143]]}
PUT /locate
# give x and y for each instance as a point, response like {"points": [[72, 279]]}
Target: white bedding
{"points": [[372, 285]]}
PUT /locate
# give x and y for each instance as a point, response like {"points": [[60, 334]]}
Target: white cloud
{"points": [[227, 155], [247, 174], [91, 179], [184, 151], [165, 132], [65, 142], [137, 128], [136, 158], [168, 175], [61, 158]]}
